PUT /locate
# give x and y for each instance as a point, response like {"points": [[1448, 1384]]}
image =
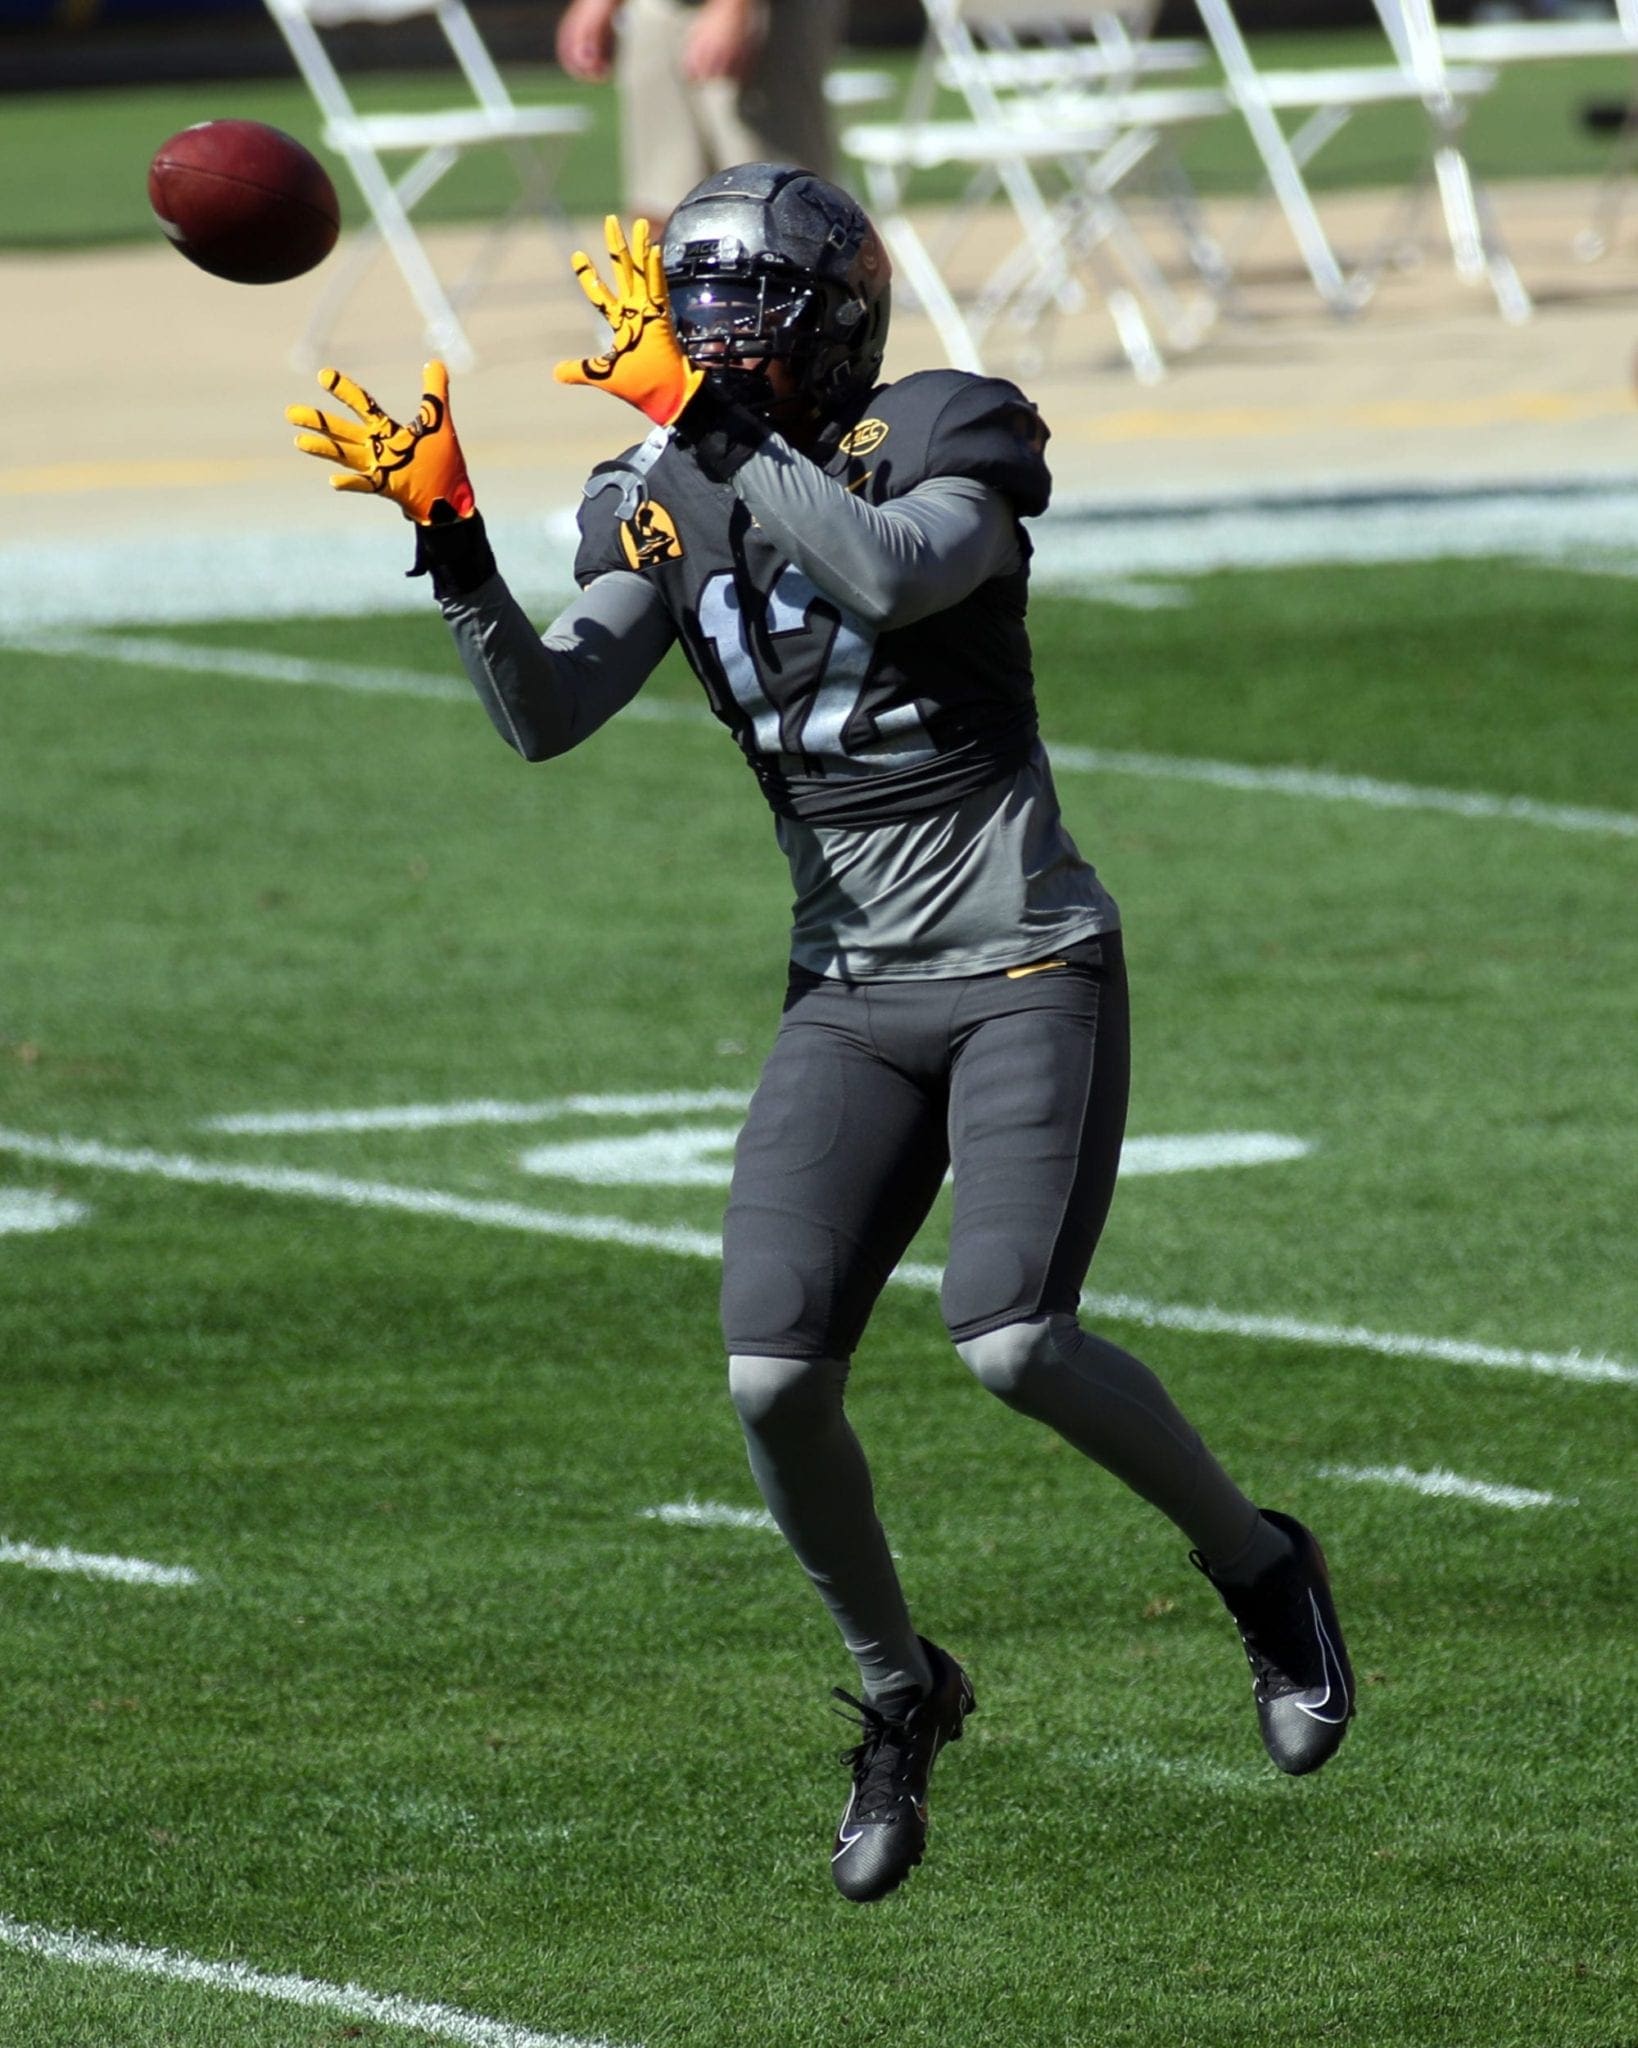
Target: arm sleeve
{"points": [[888, 564], [545, 693]]}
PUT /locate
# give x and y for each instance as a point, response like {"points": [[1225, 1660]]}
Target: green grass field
{"points": [[447, 1716], [75, 164]]}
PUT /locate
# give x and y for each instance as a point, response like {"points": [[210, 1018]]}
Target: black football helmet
{"points": [[769, 262]]}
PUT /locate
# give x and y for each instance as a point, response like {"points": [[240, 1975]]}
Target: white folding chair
{"points": [[535, 137], [1327, 99], [1055, 121], [1613, 35], [1475, 242]]}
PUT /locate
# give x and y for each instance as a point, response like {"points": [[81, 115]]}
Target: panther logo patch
{"points": [[649, 536], [865, 438]]}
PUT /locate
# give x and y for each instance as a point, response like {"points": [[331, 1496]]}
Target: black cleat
{"points": [[883, 1831], [1300, 1675]]}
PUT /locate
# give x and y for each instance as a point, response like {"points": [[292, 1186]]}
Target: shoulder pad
{"points": [[952, 423], [609, 496], [987, 429]]}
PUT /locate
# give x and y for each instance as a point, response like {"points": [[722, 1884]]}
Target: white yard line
{"points": [[254, 664], [709, 1514], [701, 1156], [1186, 1153], [1212, 1321], [1352, 789], [129, 1571], [357, 1194], [360, 1194], [715, 1514], [26, 1210], [1315, 784], [442, 2022], [426, 1116], [1442, 1485], [1209, 1151]]}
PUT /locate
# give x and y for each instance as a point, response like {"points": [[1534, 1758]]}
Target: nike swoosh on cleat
{"points": [[1317, 1697], [845, 1841]]}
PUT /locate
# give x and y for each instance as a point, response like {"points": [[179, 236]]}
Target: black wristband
{"points": [[454, 552], [721, 436]]}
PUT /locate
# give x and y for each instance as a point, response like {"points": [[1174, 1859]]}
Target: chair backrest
{"points": [[1622, 14], [978, 47], [301, 21]]}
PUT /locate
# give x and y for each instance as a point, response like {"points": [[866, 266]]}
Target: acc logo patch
{"points": [[865, 438], [649, 536]]}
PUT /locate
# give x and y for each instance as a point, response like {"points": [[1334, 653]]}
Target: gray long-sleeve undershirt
{"points": [[888, 565]]}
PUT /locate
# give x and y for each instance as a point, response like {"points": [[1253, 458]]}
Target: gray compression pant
{"points": [[871, 1090]]}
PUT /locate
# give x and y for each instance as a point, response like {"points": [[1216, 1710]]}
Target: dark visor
{"points": [[736, 308]]}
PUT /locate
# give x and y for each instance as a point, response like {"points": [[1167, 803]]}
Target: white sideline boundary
{"points": [[128, 1571], [1440, 1484], [1085, 546], [442, 2022], [1320, 785], [432, 1202]]}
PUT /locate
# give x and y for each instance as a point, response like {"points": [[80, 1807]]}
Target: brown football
{"points": [[244, 201]]}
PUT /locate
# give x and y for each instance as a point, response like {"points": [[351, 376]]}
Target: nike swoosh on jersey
{"points": [[1038, 967]]}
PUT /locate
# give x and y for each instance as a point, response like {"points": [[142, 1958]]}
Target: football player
{"points": [[844, 565]]}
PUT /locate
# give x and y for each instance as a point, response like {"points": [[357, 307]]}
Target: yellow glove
{"points": [[644, 365], [417, 465]]}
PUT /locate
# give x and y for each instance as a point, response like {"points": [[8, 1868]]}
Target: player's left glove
{"points": [[419, 465], [644, 363]]}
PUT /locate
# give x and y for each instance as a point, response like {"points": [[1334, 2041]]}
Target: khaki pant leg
{"points": [[664, 151], [673, 134], [780, 114]]}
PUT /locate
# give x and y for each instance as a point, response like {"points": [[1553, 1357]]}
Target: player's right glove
{"points": [[419, 465], [644, 363]]}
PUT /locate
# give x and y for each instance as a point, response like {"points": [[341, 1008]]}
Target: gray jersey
{"points": [[961, 879], [991, 882]]}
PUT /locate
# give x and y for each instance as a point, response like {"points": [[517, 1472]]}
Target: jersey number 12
{"points": [[828, 690]]}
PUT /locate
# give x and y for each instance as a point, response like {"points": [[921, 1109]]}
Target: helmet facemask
{"points": [[780, 292], [735, 327]]}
